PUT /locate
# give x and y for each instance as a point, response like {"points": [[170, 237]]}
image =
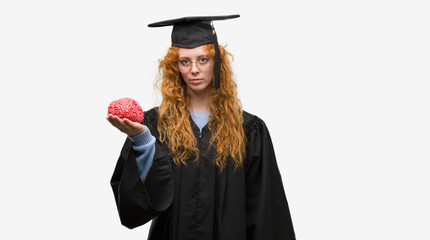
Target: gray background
{"points": [[342, 85]]}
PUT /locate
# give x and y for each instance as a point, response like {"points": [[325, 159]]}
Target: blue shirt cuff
{"points": [[142, 138]]}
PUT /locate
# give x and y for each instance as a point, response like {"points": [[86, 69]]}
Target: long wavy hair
{"points": [[226, 119]]}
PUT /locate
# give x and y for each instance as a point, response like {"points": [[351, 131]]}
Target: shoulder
{"points": [[151, 114], [252, 123], [150, 120]]}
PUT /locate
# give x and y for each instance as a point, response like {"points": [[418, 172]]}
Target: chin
{"points": [[199, 88]]}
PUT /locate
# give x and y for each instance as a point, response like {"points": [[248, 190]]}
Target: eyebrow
{"points": [[186, 57]]}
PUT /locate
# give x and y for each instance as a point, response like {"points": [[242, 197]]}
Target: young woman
{"points": [[199, 166]]}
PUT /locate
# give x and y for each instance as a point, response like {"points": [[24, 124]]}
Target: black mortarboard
{"points": [[191, 32]]}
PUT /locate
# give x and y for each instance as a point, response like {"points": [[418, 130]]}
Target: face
{"points": [[196, 69]]}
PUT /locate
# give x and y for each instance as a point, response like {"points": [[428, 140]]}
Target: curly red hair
{"points": [[226, 120]]}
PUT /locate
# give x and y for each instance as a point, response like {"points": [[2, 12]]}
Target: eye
{"points": [[184, 62], [203, 60]]}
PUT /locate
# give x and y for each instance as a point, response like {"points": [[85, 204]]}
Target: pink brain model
{"points": [[126, 108]]}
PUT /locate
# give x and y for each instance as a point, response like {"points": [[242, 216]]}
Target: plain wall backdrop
{"points": [[342, 85]]}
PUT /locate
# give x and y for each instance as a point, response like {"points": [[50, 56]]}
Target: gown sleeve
{"points": [[268, 215], [138, 202], [144, 150]]}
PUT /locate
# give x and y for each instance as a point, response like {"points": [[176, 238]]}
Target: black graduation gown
{"points": [[198, 202]]}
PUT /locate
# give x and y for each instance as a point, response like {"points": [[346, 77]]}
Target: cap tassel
{"points": [[217, 59]]}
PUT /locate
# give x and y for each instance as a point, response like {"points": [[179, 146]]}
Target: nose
{"points": [[194, 67]]}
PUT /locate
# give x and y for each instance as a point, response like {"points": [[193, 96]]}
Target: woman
{"points": [[199, 166]]}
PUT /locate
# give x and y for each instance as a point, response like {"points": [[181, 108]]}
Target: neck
{"points": [[200, 102]]}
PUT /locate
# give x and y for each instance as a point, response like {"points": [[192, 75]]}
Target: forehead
{"points": [[192, 52]]}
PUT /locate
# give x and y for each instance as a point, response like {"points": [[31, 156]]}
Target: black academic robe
{"points": [[196, 201]]}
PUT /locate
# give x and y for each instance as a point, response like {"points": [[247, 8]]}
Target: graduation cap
{"points": [[191, 32]]}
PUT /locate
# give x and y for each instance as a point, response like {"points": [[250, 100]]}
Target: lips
{"points": [[196, 80]]}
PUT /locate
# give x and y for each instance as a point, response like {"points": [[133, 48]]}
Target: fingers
{"points": [[125, 125], [127, 122], [114, 120]]}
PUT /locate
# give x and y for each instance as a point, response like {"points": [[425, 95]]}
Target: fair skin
{"points": [[198, 80], [198, 83]]}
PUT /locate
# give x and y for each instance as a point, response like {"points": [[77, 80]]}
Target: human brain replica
{"points": [[126, 108]]}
